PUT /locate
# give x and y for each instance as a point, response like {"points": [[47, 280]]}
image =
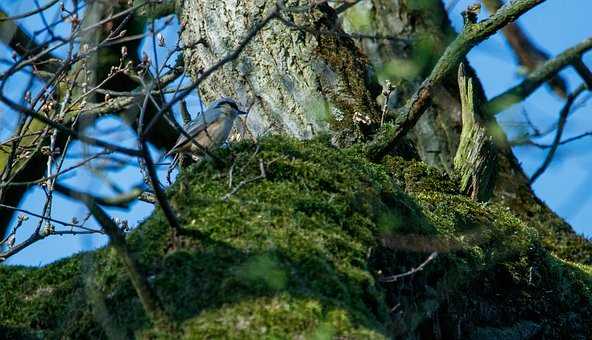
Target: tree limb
{"points": [[528, 54], [471, 35], [148, 298], [18, 40], [538, 77]]}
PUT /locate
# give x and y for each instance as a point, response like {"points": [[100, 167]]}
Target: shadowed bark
{"points": [[325, 223], [410, 37]]}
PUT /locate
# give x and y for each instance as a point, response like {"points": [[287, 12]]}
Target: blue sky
{"points": [[554, 25]]}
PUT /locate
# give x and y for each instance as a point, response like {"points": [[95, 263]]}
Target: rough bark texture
{"points": [[301, 253], [474, 161], [302, 79]]}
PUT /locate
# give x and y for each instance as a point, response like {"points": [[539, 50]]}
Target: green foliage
{"points": [[299, 254]]}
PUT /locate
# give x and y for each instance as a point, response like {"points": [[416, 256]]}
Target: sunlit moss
{"points": [[301, 253]]}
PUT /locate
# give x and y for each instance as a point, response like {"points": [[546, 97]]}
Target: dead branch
{"points": [[262, 175]]}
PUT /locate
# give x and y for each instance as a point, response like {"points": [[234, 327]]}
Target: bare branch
{"points": [[29, 13], [66, 130], [261, 175], [419, 268], [24, 45], [53, 220], [121, 201], [163, 201], [584, 72], [528, 54], [560, 126], [148, 298]]}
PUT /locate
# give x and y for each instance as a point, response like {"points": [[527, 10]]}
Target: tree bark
{"points": [[409, 38], [303, 77], [437, 134], [474, 162]]}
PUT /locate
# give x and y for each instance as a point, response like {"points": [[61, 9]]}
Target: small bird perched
{"points": [[209, 129]]}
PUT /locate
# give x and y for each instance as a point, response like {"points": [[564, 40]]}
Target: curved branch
{"points": [[560, 127], [471, 35], [538, 77], [529, 55]]}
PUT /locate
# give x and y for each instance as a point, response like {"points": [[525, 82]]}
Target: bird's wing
{"points": [[199, 124]]}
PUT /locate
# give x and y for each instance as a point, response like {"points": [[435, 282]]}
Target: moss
{"points": [[301, 254], [413, 177], [556, 234]]}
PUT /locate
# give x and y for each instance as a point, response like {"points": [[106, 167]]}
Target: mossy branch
{"points": [[470, 36], [538, 77], [474, 161], [529, 55]]}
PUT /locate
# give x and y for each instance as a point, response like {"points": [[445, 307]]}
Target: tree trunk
{"points": [[410, 37], [301, 80], [319, 265]]}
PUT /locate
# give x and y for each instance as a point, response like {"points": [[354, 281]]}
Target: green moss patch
{"points": [[302, 254]]}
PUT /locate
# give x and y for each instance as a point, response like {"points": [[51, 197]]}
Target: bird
{"points": [[210, 129]]}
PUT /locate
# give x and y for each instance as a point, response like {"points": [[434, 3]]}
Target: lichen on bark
{"points": [[475, 159]]}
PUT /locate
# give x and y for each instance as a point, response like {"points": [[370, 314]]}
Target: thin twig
{"points": [[66, 224], [262, 175], [560, 127], [529, 55], [419, 268], [32, 12]]}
